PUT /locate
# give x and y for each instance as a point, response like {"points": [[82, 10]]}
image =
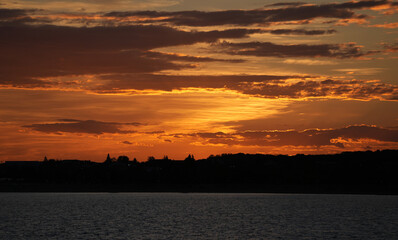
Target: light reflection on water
{"points": [[196, 216]]}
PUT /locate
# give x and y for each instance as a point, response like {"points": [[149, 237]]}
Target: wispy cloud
{"points": [[265, 86], [299, 32], [269, 49], [386, 25], [89, 5], [82, 126], [311, 137], [287, 12], [60, 51], [309, 62]]}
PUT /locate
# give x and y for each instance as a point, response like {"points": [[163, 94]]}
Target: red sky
{"points": [[80, 79]]}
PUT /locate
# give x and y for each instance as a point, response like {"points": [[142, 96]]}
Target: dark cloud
{"points": [[391, 47], [60, 63], [12, 17], [178, 57], [293, 12], [170, 82], [268, 49], [348, 89], [6, 14], [312, 137], [299, 32], [33, 52], [24, 70], [363, 4], [82, 126], [21, 68], [282, 4], [143, 37], [127, 142], [266, 86], [154, 132]]}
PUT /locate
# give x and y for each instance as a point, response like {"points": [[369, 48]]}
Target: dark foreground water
{"points": [[196, 216]]}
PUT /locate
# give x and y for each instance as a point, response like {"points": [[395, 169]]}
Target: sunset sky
{"points": [[83, 78]]}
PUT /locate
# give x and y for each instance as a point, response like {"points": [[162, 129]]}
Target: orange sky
{"points": [[81, 79]]}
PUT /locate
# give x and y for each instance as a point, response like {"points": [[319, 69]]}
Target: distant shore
{"points": [[345, 173], [204, 188]]}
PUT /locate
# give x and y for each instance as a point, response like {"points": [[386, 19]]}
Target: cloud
{"points": [[186, 58], [33, 52], [82, 126], [26, 70], [90, 5], [360, 71], [363, 4], [310, 137], [284, 12], [333, 113], [292, 12], [282, 4], [269, 49], [18, 69], [309, 62], [390, 48], [328, 88], [299, 32], [6, 14], [266, 86], [170, 82], [386, 25], [154, 132], [143, 37], [12, 17]]}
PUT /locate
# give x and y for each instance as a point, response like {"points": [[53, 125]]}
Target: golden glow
{"points": [[386, 25], [77, 83]]}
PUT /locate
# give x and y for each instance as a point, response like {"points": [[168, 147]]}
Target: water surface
{"points": [[196, 216]]}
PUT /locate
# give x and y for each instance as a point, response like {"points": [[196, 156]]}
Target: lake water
{"points": [[196, 216]]}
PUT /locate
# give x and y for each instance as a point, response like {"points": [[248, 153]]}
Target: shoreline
{"points": [[205, 188]]}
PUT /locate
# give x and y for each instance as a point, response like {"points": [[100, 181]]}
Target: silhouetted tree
{"points": [[123, 159], [108, 159], [346, 172], [190, 158]]}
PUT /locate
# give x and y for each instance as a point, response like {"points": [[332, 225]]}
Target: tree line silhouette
{"points": [[347, 172]]}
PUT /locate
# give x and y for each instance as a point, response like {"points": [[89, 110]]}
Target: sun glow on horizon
{"points": [[81, 79]]}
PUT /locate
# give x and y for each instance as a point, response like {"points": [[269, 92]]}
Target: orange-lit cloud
{"points": [[299, 32], [289, 12], [268, 49], [311, 137], [79, 79], [386, 25], [296, 12], [262, 86]]}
